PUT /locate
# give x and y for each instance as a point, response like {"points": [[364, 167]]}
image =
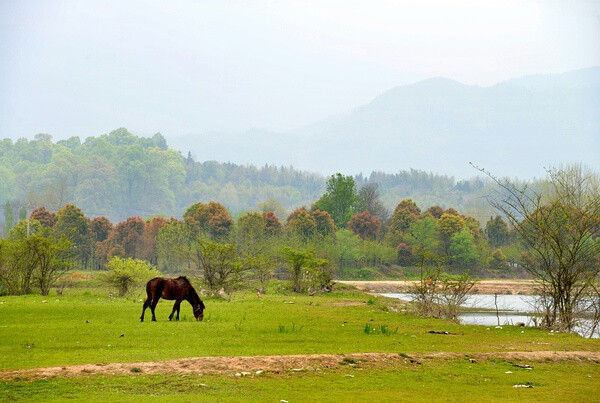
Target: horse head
{"points": [[199, 310]]}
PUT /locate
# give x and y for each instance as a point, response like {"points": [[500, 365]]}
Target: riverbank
{"points": [[505, 287]]}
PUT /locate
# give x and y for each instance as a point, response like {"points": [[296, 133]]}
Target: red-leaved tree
{"points": [[365, 225]]}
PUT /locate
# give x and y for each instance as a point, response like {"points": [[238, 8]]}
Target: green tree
{"points": [[52, 257], [498, 260], [348, 247], [405, 214], [35, 260], [448, 225], [24, 228], [8, 217], [126, 273], [173, 244], [302, 224], [272, 205], [218, 266], [74, 225], [339, 200], [496, 231], [302, 262], [462, 249]]}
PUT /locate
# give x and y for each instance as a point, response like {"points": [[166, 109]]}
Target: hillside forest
{"points": [[344, 232], [119, 175]]}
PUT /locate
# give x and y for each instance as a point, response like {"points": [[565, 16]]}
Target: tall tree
{"points": [[406, 213], [560, 227], [448, 225], [8, 217], [496, 231], [339, 200], [302, 224], [369, 200], [74, 225]]}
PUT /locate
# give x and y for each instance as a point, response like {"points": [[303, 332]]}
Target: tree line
{"points": [[347, 227], [119, 175], [552, 234]]}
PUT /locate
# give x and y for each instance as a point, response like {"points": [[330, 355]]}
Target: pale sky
{"points": [[71, 67]]}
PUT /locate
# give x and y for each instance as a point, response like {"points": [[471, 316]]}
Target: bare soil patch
{"points": [[248, 366], [514, 287]]}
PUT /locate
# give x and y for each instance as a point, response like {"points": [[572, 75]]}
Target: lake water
{"points": [[511, 310]]}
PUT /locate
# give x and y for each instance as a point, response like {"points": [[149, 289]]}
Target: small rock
{"points": [[44, 301], [508, 372], [283, 401], [238, 374], [522, 386], [310, 368], [349, 376], [472, 360], [297, 369], [245, 373], [122, 335], [260, 371], [520, 324], [87, 321], [498, 327]]}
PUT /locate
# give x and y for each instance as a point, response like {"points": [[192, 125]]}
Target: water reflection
{"points": [[511, 310]]}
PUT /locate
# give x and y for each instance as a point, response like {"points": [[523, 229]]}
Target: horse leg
{"points": [[153, 307], [147, 303], [175, 308]]}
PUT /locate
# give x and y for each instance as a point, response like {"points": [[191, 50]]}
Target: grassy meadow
{"points": [[86, 325]]}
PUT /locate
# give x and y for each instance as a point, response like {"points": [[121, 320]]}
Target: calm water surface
{"points": [[512, 309]]}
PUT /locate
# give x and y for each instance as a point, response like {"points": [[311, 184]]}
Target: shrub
{"points": [[127, 273]]}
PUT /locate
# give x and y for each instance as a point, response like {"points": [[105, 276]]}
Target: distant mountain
{"points": [[514, 128]]}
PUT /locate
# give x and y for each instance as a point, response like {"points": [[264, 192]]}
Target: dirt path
{"points": [[248, 366], [521, 287]]}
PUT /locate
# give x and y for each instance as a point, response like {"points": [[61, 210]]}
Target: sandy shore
{"points": [[519, 287]]}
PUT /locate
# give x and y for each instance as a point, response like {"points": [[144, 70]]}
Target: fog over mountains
{"points": [[514, 128]]}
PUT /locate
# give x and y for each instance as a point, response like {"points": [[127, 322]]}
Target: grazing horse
{"points": [[177, 289]]}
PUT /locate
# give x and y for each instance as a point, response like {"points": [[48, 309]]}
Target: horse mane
{"points": [[192, 290]]}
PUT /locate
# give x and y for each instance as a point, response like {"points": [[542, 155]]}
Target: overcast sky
{"points": [[187, 67]]}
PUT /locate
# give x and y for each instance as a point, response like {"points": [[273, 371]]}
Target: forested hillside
{"points": [[119, 175]]}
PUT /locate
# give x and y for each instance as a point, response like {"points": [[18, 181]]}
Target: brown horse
{"points": [[177, 289]]}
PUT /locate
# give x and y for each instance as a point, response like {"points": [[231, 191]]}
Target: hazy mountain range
{"points": [[514, 128]]}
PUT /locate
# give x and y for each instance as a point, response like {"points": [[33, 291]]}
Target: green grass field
{"points": [[87, 326]]}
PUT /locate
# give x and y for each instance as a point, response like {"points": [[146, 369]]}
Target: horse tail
{"points": [[149, 289]]}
